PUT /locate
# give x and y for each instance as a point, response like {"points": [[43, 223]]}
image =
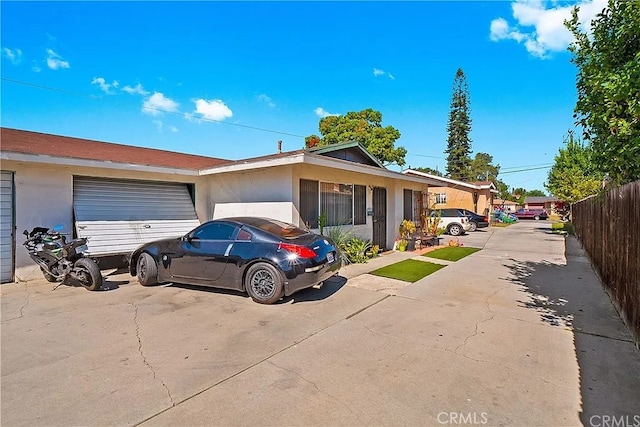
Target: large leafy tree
{"points": [[608, 84], [458, 129], [483, 169], [573, 175], [364, 127], [429, 170]]}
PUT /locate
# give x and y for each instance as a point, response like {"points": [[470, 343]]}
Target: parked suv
{"points": [[476, 220], [453, 220]]}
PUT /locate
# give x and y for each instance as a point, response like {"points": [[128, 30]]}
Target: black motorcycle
{"points": [[62, 261]]}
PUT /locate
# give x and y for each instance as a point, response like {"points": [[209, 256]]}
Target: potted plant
{"points": [[407, 233], [402, 245]]}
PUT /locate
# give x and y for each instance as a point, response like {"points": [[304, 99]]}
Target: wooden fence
{"points": [[608, 225]]}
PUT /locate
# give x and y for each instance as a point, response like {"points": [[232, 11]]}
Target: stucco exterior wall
{"points": [[44, 197], [462, 197]]}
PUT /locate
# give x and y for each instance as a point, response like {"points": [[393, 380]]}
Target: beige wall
{"points": [[462, 197], [44, 197]]}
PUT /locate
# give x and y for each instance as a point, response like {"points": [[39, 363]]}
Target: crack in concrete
{"points": [[491, 317], [144, 359], [22, 307], [317, 388]]}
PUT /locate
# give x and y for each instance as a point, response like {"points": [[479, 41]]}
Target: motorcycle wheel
{"points": [[88, 274], [50, 277]]}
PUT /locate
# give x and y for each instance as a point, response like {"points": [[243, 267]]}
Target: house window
{"points": [[359, 204], [309, 197], [441, 198], [407, 205], [336, 202], [343, 204]]}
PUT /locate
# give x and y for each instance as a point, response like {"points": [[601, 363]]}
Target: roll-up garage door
{"points": [[6, 227], [120, 215]]}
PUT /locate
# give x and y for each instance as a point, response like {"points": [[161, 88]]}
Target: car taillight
{"points": [[301, 251]]}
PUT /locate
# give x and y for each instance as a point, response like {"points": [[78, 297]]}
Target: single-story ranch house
{"points": [[121, 196], [452, 193]]}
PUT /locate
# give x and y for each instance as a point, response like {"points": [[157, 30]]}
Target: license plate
{"points": [[330, 257], [82, 248]]}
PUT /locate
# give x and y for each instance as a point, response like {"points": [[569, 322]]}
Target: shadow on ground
{"points": [[570, 295], [317, 293]]}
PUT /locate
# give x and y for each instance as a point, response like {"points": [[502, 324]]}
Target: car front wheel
{"points": [[474, 226], [147, 270], [264, 284]]}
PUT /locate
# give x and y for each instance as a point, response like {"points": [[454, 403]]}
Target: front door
{"points": [[380, 217]]}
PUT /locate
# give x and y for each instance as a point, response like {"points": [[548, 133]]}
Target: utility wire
{"points": [[176, 113]]}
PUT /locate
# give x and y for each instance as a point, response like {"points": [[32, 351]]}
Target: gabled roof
{"points": [[352, 151], [448, 182], [42, 144]]}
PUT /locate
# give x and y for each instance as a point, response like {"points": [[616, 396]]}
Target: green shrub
{"points": [[356, 250]]}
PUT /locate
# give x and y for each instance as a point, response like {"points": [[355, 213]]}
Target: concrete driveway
{"points": [[519, 333]]}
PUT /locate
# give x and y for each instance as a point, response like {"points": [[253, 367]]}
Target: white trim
{"points": [[441, 179], [104, 164], [316, 160]]}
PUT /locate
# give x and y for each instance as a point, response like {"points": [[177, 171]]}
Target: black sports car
{"points": [[264, 257]]}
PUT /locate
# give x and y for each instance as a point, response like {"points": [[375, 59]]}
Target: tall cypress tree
{"points": [[458, 128]]}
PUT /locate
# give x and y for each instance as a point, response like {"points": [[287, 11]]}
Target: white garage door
{"points": [[120, 215], [6, 227]]}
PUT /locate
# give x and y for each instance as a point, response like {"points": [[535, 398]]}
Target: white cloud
{"points": [[158, 103], [55, 61], [212, 110], [14, 55], [104, 86], [322, 113], [539, 25], [377, 72], [137, 89], [264, 98]]}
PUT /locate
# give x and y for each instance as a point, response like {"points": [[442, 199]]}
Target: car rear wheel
{"points": [[264, 284], [455, 230], [537, 217], [474, 226], [147, 270]]}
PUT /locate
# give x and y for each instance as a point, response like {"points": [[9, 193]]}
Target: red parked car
{"points": [[532, 214]]}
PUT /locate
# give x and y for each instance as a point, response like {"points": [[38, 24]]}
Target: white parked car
{"points": [[453, 220]]}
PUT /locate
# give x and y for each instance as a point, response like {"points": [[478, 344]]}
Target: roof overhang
{"points": [[448, 182], [68, 161], [316, 160]]}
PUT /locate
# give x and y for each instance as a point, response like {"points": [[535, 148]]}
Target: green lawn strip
{"points": [[453, 253], [409, 270], [559, 227]]}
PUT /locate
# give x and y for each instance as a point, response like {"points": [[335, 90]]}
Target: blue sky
{"points": [[230, 79]]}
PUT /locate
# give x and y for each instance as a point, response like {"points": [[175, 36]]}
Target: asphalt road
{"points": [[519, 333]]}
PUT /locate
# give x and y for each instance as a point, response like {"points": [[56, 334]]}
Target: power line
{"points": [[525, 170], [177, 113]]}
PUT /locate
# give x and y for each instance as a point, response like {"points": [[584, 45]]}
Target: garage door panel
{"points": [[6, 226], [120, 215]]}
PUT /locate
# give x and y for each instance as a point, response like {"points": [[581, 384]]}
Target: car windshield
{"points": [[281, 229]]}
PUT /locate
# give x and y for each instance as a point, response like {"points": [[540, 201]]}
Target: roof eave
{"points": [[69, 161]]}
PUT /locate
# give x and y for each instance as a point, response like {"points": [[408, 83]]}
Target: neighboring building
{"points": [[551, 204], [505, 205], [451, 193], [121, 196]]}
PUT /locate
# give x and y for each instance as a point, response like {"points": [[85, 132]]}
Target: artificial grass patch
{"points": [[452, 253], [409, 270]]}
